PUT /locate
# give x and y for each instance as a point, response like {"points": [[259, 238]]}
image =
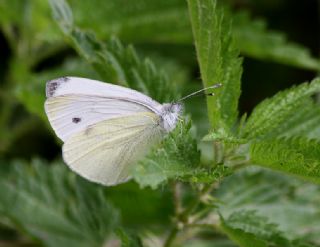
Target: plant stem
{"points": [[176, 190], [183, 216], [172, 235]]}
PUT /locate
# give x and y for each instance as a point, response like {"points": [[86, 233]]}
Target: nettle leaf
{"points": [[129, 239], [218, 59], [32, 27], [114, 62], [167, 21], [49, 203], [255, 40], [290, 203], [136, 21], [240, 237], [304, 122], [247, 229], [176, 158], [273, 113], [297, 156], [222, 136]]}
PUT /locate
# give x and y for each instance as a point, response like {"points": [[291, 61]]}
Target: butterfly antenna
{"points": [[200, 92]]}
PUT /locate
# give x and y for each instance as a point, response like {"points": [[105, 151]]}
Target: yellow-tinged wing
{"points": [[104, 152]]}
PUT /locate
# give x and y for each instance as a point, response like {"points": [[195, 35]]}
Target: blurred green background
{"points": [[34, 50]]}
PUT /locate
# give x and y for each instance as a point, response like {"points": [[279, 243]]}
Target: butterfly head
{"points": [[169, 114]]}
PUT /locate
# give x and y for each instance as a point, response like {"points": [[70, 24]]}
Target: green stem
{"points": [[172, 235], [183, 216]]}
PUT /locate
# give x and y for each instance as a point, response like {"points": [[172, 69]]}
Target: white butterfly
{"points": [[106, 128]]}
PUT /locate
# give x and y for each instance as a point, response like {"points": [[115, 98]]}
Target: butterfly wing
{"points": [[74, 103], [104, 152]]}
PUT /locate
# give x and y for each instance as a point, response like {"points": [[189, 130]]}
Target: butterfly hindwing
{"points": [[104, 152]]}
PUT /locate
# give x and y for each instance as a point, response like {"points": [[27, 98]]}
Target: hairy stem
{"points": [[182, 217]]}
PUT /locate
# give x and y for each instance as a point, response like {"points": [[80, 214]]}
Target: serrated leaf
{"points": [[218, 59], [177, 157], [290, 203], [250, 222], [296, 156], [240, 237], [128, 239], [164, 21], [222, 136], [255, 40], [167, 21], [304, 122], [247, 227], [272, 113], [50, 204], [114, 62]]}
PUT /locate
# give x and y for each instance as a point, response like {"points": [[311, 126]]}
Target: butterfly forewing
{"points": [[69, 114]]}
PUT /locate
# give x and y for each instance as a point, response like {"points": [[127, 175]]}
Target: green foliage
{"points": [[248, 229], [218, 60], [298, 156], [240, 237], [270, 114], [128, 240], [197, 194], [256, 41], [167, 21], [112, 61], [289, 203], [302, 122], [176, 157], [163, 21], [50, 204]]}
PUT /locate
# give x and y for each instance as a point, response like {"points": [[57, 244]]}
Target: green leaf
{"points": [[247, 228], [208, 243], [250, 222], [167, 21], [240, 237], [50, 204], [113, 61], [272, 114], [32, 28], [290, 203], [296, 156], [164, 21], [255, 40], [177, 157], [304, 122], [218, 59], [129, 240], [222, 136]]}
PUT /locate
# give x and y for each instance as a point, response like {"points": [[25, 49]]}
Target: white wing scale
{"points": [[106, 151], [77, 85], [71, 113], [74, 103]]}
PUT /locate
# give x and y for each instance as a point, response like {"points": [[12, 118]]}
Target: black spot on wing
{"points": [[76, 120], [53, 85]]}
